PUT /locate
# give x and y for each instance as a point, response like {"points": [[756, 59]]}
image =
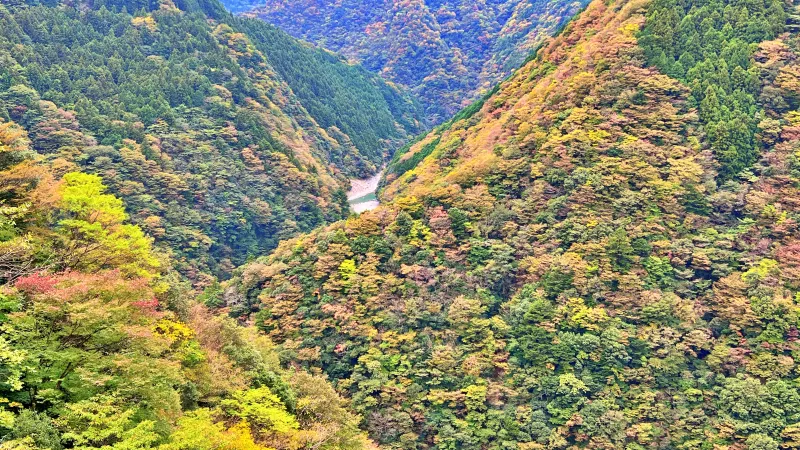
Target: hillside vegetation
{"points": [[602, 253], [447, 52], [103, 347], [199, 121]]}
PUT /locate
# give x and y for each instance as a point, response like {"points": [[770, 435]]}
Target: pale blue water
{"points": [[362, 195]]}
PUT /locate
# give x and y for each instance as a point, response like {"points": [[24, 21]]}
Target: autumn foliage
{"points": [[445, 52], [596, 255]]}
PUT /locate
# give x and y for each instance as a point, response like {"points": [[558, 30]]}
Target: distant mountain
{"points": [[222, 135], [447, 51]]}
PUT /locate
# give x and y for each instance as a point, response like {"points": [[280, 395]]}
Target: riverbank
{"points": [[362, 193]]}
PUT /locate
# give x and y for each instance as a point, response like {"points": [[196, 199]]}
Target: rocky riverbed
{"points": [[362, 193]]}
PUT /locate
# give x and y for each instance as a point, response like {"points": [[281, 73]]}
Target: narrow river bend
{"points": [[362, 193]]}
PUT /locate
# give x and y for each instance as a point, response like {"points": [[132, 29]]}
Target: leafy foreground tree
{"points": [[595, 256], [101, 345]]}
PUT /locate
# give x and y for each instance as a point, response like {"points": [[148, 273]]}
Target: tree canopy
{"points": [[208, 127], [582, 259]]}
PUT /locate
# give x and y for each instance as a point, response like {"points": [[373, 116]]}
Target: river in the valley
{"points": [[362, 193]]}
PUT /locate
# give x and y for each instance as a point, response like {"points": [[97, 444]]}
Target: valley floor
{"points": [[362, 193]]}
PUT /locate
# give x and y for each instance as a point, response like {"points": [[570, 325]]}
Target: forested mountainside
{"points": [[445, 51], [603, 253], [204, 124], [102, 345]]}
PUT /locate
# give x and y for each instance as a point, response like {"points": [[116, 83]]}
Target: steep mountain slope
{"points": [[196, 119], [102, 347], [447, 52], [601, 254]]}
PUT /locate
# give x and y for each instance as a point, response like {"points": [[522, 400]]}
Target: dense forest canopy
{"points": [[102, 346], [446, 52], [211, 128], [708, 47], [601, 253]]}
